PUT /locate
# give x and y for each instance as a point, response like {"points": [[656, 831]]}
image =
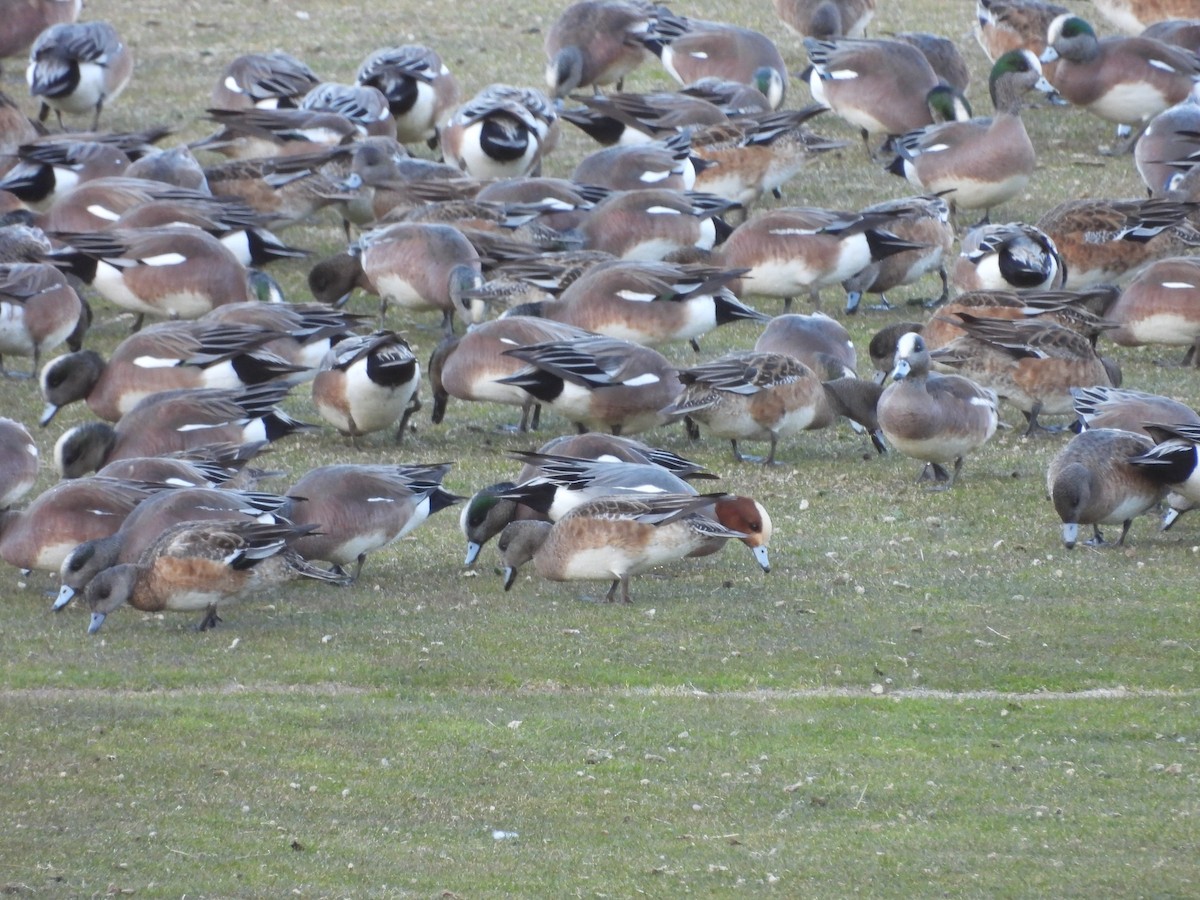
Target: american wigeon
{"points": [[982, 162], [363, 104], [76, 68], [818, 341], [882, 347], [1174, 461], [474, 366], [599, 383], [275, 80], [925, 221], [173, 471], [1033, 364], [167, 272], [826, 18], [18, 462], [800, 249], [413, 265], [420, 89], [1132, 16], [562, 203], [878, 86], [368, 383], [943, 57], [629, 167], [174, 421], [40, 310], [164, 357], [595, 43], [94, 205], [651, 224], [761, 396], [286, 189], [693, 49], [251, 133], [1103, 240], [629, 118], [1093, 481], [503, 132], [175, 166], [23, 243], [383, 180], [1126, 80], [648, 302], [1183, 33], [1170, 145], [153, 516], [1005, 25], [46, 170], [616, 538], [1161, 305], [757, 153], [305, 331], [358, 509], [203, 566], [487, 512], [1014, 257], [932, 417], [63, 516], [1128, 410], [24, 20]]}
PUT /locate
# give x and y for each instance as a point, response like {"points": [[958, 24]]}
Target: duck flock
{"points": [[554, 293]]}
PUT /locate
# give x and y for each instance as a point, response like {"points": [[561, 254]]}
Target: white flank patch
{"points": [[698, 54], [380, 500], [635, 296], [165, 259], [1178, 285], [154, 362], [654, 177], [842, 74], [663, 211], [199, 427], [32, 450], [232, 85], [1165, 66], [641, 380], [791, 232], [103, 212]]}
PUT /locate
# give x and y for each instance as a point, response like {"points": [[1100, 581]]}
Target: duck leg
{"points": [[413, 406], [210, 620]]}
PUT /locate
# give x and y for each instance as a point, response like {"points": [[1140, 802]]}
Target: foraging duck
{"points": [[24, 20], [598, 382], [49, 169], [63, 516], [932, 417], [1125, 80], [368, 383], [174, 421], [650, 224], [803, 249], [1072, 309], [1161, 305], [665, 165], [364, 105], [818, 341], [595, 43], [882, 348], [18, 462], [204, 566], [768, 396], [255, 132], [982, 162], [647, 302], [303, 332], [358, 509], [1093, 481], [629, 118], [275, 80], [1183, 33], [1175, 462], [616, 538], [414, 265], [826, 18], [176, 166], [503, 132], [943, 57], [1011, 257], [1170, 145], [78, 67], [147, 522], [419, 88], [39, 310], [693, 49], [1002, 26], [1128, 410]]}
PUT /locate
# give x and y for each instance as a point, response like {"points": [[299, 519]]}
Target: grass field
{"points": [[927, 695]]}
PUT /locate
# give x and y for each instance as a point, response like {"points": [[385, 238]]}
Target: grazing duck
{"points": [[1002, 26], [616, 538], [18, 462], [882, 348], [1012, 257], [1128, 410], [767, 396], [204, 566], [63, 516], [664, 165], [254, 132], [943, 57], [1033, 364], [362, 104], [175, 166], [414, 265], [303, 332], [419, 88], [1160, 306], [596, 43], [48, 169], [651, 224], [1170, 145], [503, 132], [629, 118], [39, 310], [147, 522], [78, 67], [803, 249], [694, 49], [932, 417], [263, 81], [175, 421], [647, 302], [1125, 80], [1183, 33], [358, 509], [599, 383], [820, 342], [923, 221], [474, 366], [826, 18], [982, 162], [367, 384], [1174, 461], [24, 20], [1093, 481], [1072, 309]]}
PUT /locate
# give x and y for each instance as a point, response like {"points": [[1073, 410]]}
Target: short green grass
{"points": [[927, 696]]}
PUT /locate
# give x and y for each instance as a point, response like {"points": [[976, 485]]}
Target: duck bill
{"points": [[65, 594], [48, 414], [760, 555], [1070, 534], [96, 622], [510, 575], [473, 549]]}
